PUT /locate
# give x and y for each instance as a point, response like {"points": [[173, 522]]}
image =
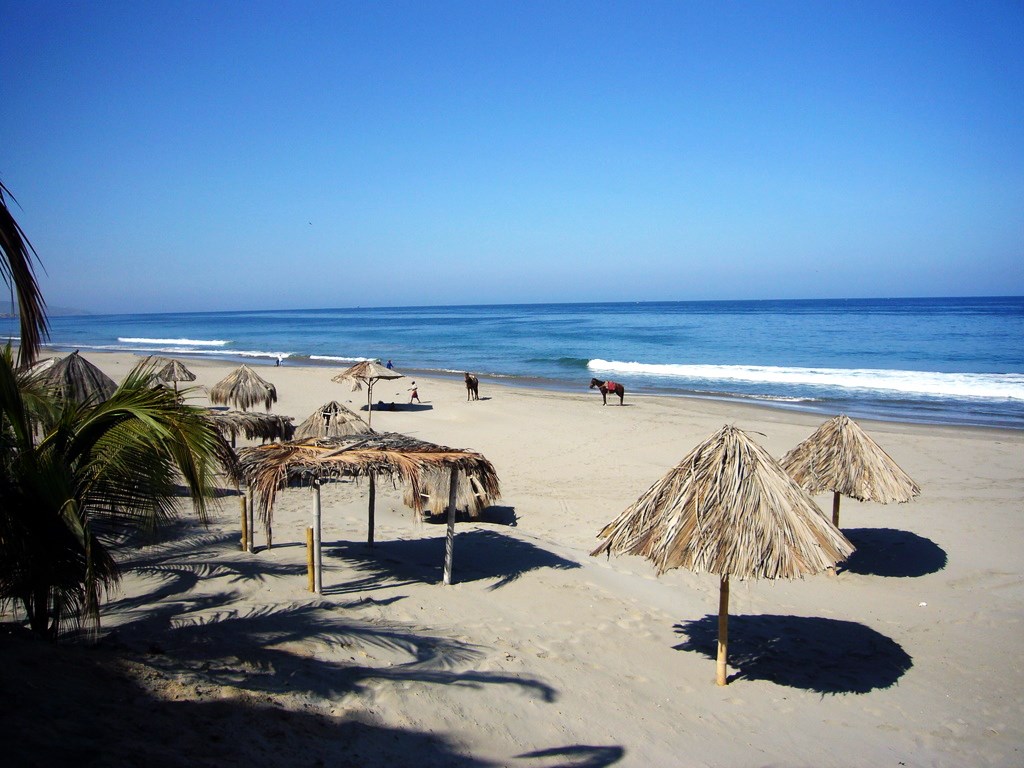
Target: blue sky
{"points": [[201, 156]]}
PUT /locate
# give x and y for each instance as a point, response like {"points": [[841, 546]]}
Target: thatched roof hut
{"points": [[170, 370], [406, 460], [75, 378], [331, 420], [367, 372], [842, 458], [243, 388], [253, 426], [728, 508]]}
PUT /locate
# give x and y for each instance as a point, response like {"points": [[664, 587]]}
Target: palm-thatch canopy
{"points": [[75, 378], [367, 372], [253, 426], [172, 371], [331, 420], [842, 458], [243, 388], [728, 508], [406, 460]]}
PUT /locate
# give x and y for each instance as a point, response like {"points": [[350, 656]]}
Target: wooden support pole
{"points": [[369, 403], [370, 513], [245, 523], [835, 508], [310, 567], [723, 630], [252, 520], [449, 541], [318, 563]]}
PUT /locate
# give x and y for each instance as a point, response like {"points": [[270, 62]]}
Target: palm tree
{"points": [[74, 477], [16, 255]]}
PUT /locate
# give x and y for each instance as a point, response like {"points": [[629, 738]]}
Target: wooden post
{"points": [[449, 542], [270, 533], [835, 508], [252, 520], [318, 563], [723, 630], [245, 523], [310, 567], [369, 403], [370, 513]]}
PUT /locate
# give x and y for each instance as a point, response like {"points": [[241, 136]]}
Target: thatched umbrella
{"points": [[75, 378], [368, 372], [842, 458], [728, 508], [331, 420], [243, 388], [269, 468], [262, 426], [172, 371]]}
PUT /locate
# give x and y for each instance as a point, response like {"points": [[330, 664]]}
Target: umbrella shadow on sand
{"points": [[891, 552], [479, 555], [813, 653]]}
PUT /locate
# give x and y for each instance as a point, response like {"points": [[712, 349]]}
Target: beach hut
{"points": [[406, 460], [331, 420], [729, 509], [75, 378], [842, 458], [243, 388], [172, 371], [367, 373], [253, 426]]}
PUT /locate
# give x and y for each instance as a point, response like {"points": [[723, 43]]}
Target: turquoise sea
{"points": [[936, 360]]}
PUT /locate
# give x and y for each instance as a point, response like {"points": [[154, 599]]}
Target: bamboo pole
{"points": [[252, 520], [318, 576], [370, 513], [449, 541], [723, 630], [369, 403], [835, 508], [310, 567], [245, 523]]}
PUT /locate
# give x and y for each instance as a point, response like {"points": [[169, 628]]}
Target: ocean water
{"points": [[949, 360]]}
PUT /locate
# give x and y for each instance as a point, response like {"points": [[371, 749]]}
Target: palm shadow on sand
{"points": [[816, 654], [478, 555], [891, 552]]}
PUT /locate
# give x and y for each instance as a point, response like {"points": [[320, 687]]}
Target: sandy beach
{"points": [[540, 655]]}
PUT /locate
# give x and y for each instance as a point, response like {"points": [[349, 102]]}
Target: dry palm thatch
{"points": [[842, 458], [406, 460], [262, 426], [76, 379], [436, 488], [172, 371], [368, 372], [331, 420], [728, 508], [243, 388]]}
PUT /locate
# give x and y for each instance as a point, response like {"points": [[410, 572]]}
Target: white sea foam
{"points": [[176, 342], [335, 359], [992, 386]]}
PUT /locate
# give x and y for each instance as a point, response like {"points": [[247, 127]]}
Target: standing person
{"points": [[413, 394], [389, 366]]}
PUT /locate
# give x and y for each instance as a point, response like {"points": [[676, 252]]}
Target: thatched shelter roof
{"points": [[262, 426], [243, 388], [269, 468], [75, 378], [331, 420], [842, 458], [366, 372], [172, 370], [728, 508]]}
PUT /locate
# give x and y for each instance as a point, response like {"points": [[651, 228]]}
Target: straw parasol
{"points": [[75, 378], [728, 508], [172, 371], [842, 458], [331, 420], [243, 388], [368, 372], [263, 426], [406, 460]]}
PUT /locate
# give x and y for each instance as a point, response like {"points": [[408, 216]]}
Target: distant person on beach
{"points": [[389, 366], [413, 393], [278, 363]]}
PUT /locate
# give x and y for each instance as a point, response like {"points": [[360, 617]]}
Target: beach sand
{"points": [[540, 655]]}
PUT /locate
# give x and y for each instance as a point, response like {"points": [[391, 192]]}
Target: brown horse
{"points": [[472, 387], [606, 387]]}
